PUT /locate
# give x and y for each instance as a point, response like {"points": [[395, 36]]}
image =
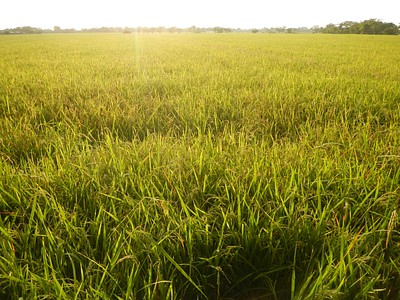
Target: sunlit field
{"points": [[199, 166]]}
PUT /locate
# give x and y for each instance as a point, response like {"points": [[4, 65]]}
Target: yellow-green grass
{"points": [[199, 166]]}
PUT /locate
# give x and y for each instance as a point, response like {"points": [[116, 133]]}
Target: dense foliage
{"points": [[235, 166], [371, 26]]}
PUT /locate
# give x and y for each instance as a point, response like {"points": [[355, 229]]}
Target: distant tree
{"points": [[348, 27], [331, 28], [281, 29], [127, 30], [192, 29], [265, 30], [371, 26], [195, 29], [222, 30], [391, 28], [173, 30], [316, 29], [254, 31]]}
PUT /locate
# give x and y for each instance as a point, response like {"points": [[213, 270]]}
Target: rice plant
{"points": [[199, 166]]}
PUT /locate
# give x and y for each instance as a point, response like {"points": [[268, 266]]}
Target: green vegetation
{"points": [[210, 166], [371, 26]]}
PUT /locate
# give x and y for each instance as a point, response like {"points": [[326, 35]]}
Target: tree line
{"points": [[371, 26], [159, 29]]}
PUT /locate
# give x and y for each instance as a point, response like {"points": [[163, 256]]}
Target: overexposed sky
{"points": [[80, 14]]}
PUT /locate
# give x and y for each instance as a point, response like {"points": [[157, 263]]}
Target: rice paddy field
{"points": [[199, 166]]}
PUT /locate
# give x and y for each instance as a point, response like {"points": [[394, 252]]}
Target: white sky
{"points": [[205, 13]]}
